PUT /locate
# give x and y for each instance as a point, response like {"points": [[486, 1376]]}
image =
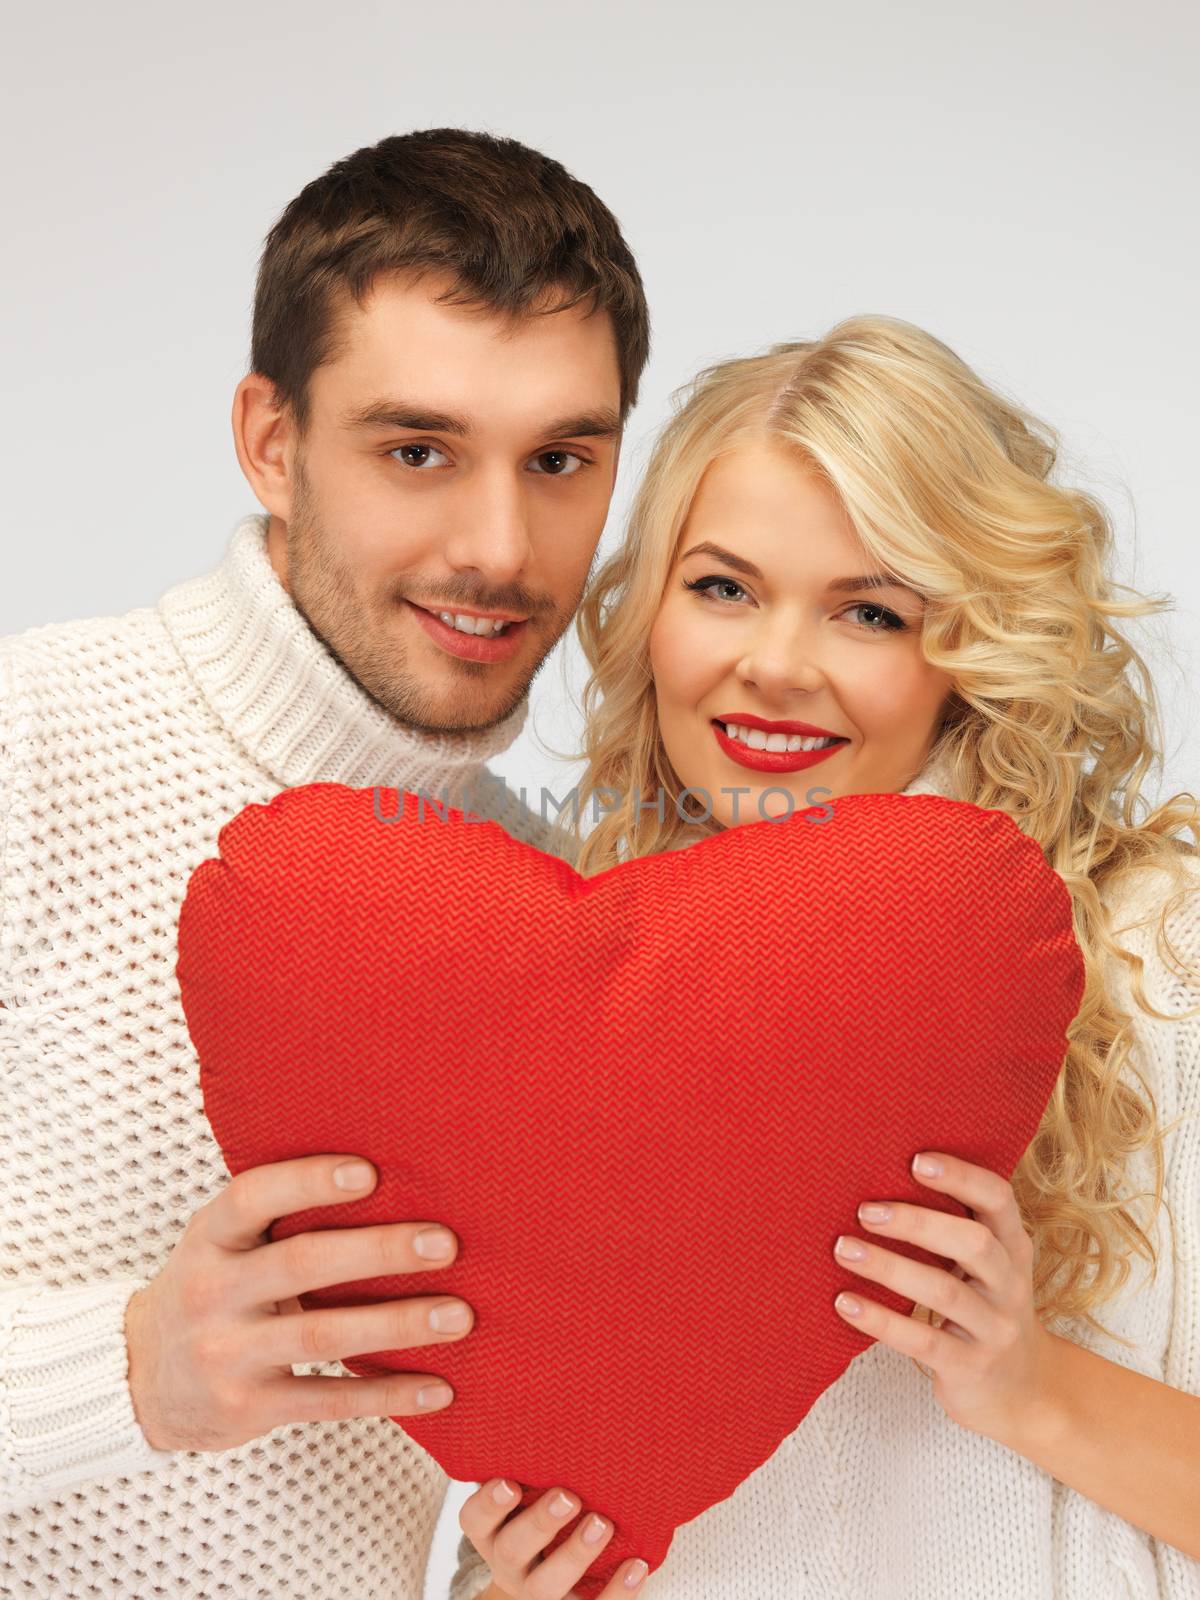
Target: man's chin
{"points": [[440, 710]]}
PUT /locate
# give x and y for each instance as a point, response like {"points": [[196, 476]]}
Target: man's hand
{"points": [[213, 1337]]}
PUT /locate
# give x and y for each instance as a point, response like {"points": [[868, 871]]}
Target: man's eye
{"points": [[418, 456], [428, 449], [562, 455]]}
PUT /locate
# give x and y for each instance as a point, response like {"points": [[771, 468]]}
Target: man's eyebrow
{"points": [[411, 415], [868, 580]]}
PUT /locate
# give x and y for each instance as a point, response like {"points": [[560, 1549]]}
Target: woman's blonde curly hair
{"points": [[1052, 717]]}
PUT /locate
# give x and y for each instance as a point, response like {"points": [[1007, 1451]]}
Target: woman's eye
{"points": [[429, 450], [702, 585], [562, 455], [891, 624]]}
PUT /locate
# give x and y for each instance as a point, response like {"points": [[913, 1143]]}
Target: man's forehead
{"points": [[433, 376], [413, 299]]}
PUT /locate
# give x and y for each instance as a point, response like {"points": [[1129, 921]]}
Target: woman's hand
{"points": [[991, 1364], [510, 1547]]}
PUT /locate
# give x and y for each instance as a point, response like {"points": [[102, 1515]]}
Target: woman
{"points": [[860, 536]]}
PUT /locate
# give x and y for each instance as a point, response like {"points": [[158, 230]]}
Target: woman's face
{"points": [[776, 635]]}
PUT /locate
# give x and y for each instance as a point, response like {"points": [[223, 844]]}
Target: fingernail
{"points": [[434, 1394], [449, 1319], [593, 1530], [636, 1573], [352, 1175], [560, 1505], [927, 1166], [503, 1492], [433, 1243]]}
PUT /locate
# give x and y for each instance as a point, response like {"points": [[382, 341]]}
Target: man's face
{"points": [[484, 491]]}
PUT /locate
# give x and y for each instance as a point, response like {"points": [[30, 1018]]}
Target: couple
{"points": [[853, 539]]}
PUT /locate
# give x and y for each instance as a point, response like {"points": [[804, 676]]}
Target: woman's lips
{"points": [[772, 760], [470, 646]]}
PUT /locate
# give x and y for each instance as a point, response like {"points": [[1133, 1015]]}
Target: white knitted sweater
{"points": [[125, 744]]}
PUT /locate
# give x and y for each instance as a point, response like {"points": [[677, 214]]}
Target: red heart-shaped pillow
{"points": [[646, 1102]]}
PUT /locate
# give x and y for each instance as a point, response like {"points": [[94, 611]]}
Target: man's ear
{"points": [[261, 437]]}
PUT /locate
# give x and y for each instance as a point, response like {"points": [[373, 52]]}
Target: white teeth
{"points": [[472, 624], [756, 739]]}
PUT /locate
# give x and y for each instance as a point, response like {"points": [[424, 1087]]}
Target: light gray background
{"points": [[1019, 179]]}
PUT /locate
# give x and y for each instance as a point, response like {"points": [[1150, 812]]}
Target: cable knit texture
{"points": [[125, 744]]}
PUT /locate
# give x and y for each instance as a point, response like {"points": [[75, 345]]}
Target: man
{"points": [[449, 331]]}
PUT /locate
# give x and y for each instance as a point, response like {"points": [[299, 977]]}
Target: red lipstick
{"points": [[775, 760]]}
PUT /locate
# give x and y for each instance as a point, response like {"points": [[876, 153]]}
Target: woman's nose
{"points": [[781, 658]]}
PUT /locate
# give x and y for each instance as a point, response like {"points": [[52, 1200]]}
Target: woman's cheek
{"points": [[675, 641]]}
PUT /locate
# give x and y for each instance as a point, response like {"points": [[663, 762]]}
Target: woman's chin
{"points": [[755, 798]]}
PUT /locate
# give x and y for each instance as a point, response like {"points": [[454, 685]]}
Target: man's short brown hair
{"points": [[508, 223]]}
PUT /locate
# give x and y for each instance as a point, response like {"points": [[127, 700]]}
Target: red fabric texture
{"points": [[646, 1102]]}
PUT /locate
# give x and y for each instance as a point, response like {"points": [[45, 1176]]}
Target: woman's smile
{"points": [[751, 746]]}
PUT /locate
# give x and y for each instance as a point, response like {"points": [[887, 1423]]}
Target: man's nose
{"points": [[492, 526]]}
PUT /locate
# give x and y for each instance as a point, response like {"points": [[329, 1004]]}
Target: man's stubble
{"points": [[359, 633]]}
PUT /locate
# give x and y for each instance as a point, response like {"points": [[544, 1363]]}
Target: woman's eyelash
{"points": [[893, 623], [701, 585]]}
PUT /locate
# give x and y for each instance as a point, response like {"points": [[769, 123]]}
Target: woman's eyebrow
{"points": [[707, 548], [867, 580], [871, 580]]}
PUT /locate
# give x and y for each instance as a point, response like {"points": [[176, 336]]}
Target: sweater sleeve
{"points": [[472, 1575], [66, 1413], [1182, 1175]]}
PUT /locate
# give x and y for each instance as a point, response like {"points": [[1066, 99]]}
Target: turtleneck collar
{"points": [[284, 696], [934, 778]]}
